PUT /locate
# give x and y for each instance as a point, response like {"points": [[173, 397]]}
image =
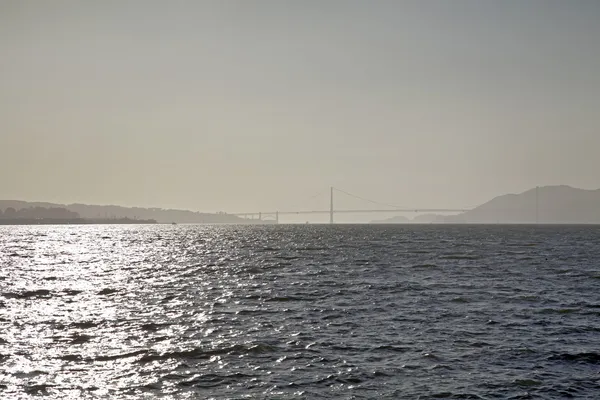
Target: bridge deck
{"points": [[394, 210], [390, 208]]}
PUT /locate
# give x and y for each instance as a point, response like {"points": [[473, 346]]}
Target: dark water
{"points": [[180, 312]]}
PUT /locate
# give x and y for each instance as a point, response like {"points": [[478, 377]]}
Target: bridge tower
{"points": [[331, 205]]}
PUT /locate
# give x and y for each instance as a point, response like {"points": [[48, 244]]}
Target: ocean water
{"points": [[300, 312]]}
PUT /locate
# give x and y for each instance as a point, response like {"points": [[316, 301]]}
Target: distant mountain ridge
{"points": [[559, 204], [117, 212], [398, 219]]}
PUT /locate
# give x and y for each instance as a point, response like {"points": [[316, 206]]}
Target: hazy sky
{"points": [[252, 105]]}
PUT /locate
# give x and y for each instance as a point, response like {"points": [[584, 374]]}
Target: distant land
{"points": [[23, 212], [73, 221], [419, 219], [398, 219], [57, 216], [559, 204]]}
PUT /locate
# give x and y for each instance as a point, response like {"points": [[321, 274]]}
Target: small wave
{"points": [[38, 389], [589, 358], [430, 356], [328, 380], [287, 258], [153, 327], [20, 255], [112, 357], [85, 324], [31, 374], [267, 249], [567, 310], [353, 380], [80, 339], [283, 299], [107, 291], [529, 297], [559, 310], [574, 330], [459, 300], [167, 299], [118, 356], [27, 294], [198, 353], [248, 311], [212, 380], [173, 376], [450, 395], [72, 292], [152, 386], [479, 344], [71, 357], [392, 348], [460, 257], [347, 348], [527, 382]]}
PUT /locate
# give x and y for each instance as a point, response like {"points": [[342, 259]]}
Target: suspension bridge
{"points": [[274, 215]]}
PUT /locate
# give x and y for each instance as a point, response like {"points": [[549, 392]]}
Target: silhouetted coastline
{"points": [[559, 204], [73, 221], [16, 212], [38, 215]]}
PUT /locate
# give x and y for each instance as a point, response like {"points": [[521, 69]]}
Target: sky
{"points": [[255, 105]]}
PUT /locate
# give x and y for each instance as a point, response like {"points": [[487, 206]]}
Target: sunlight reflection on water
{"points": [[298, 312]]}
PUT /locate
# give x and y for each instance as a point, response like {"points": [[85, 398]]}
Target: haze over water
{"points": [[123, 312], [250, 105]]}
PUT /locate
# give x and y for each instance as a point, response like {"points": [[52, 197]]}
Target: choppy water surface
{"points": [[300, 312]]}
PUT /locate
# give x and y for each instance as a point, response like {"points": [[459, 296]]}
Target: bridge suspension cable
{"points": [[365, 199], [331, 211]]}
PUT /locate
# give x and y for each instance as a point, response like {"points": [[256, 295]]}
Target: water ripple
{"points": [[429, 312]]}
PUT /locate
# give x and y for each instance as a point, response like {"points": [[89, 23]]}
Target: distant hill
{"points": [[555, 205], [419, 219], [399, 219], [559, 204], [428, 219], [118, 212]]}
